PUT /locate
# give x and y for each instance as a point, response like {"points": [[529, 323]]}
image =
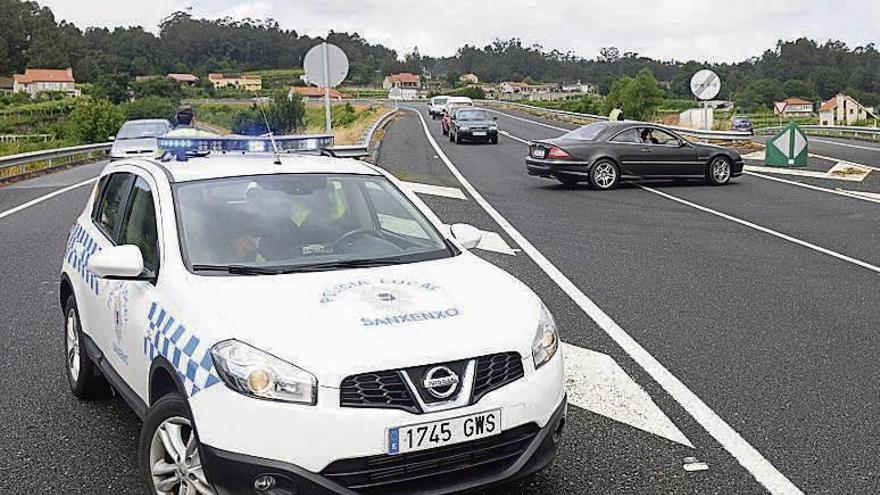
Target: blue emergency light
{"points": [[183, 147]]}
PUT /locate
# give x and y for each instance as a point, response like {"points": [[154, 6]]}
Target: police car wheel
{"points": [[718, 172], [83, 378], [169, 450]]}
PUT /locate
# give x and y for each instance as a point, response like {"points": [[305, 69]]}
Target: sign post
{"points": [[326, 66], [705, 85], [789, 148]]}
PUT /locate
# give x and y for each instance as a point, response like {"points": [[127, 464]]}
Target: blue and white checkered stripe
{"points": [[191, 359], [81, 247]]}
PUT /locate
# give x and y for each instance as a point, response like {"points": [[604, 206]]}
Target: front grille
{"points": [[433, 469], [384, 389], [494, 372]]}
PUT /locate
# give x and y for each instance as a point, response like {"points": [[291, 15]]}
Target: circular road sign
{"points": [[337, 66], [705, 84]]}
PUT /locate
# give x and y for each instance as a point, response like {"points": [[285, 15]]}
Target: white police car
{"points": [[303, 325]]}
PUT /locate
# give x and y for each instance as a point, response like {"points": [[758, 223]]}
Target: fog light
{"points": [[265, 482]]}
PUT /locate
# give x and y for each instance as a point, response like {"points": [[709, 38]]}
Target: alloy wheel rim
{"points": [[721, 170], [604, 175], [175, 465], [72, 346]]}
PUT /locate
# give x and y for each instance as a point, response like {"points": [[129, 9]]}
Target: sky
{"points": [[705, 30]]}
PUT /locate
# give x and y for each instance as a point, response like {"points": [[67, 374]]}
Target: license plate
{"points": [[479, 133], [539, 153], [425, 436]]}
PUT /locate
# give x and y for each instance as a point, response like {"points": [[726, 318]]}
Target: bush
{"points": [[92, 121], [159, 86], [150, 107], [639, 97]]}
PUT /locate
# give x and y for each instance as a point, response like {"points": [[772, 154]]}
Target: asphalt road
{"points": [[777, 338]]}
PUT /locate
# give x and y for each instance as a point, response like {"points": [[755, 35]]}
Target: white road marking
{"points": [[869, 196], [813, 174], [432, 190], [514, 117], [51, 195], [752, 460], [840, 192], [511, 136], [596, 382], [492, 241], [765, 230]]}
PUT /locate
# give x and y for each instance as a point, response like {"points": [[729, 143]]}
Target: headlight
{"points": [[546, 341], [464, 128], [255, 373]]}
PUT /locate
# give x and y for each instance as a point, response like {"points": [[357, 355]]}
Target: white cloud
{"points": [[714, 30]]}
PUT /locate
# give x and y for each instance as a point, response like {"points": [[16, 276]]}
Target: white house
{"points": [[793, 107], [35, 81], [844, 110]]}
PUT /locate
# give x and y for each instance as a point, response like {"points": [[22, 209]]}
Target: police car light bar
{"points": [[181, 146]]}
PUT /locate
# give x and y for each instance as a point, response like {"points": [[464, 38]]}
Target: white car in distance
{"points": [[304, 324]]}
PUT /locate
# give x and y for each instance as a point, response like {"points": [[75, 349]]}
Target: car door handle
{"points": [[646, 150]]}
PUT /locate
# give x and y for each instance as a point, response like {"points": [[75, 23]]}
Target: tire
{"points": [[455, 139], [604, 175], [82, 375], [494, 140], [718, 171], [166, 464]]}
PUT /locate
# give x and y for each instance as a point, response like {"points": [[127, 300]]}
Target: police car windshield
{"points": [[139, 130], [270, 224]]}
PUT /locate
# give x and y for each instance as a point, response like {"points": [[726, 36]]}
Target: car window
{"points": [[139, 224], [391, 213], [301, 219], [664, 138], [472, 115], [439, 101], [107, 214], [627, 136], [136, 130], [586, 133]]}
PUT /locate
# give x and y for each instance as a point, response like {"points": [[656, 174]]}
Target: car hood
{"points": [[338, 323], [134, 147]]}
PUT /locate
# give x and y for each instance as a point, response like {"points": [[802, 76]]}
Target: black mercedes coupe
{"points": [[606, 152]]}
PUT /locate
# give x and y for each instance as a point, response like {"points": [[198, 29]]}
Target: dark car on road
{"points": [[472, 124], [606, 152], [742, 124]]}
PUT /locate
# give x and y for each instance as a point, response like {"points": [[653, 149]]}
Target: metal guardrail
{"points": [[32, 161], [858, 132]]}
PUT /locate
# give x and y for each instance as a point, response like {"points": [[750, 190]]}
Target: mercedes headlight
{"points": [[546, 341], [464, 128], [255, 373]]}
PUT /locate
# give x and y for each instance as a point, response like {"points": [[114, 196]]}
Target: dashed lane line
{"points": [[39, 200], [765, 230], [749, 457]]}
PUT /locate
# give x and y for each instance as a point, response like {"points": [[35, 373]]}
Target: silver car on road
{"points": [[138, 138]]}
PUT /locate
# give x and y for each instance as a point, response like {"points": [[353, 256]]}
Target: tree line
{"points": [[30, 36]]}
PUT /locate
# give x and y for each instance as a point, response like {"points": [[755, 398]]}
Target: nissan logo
{"points": [[441, 382]]}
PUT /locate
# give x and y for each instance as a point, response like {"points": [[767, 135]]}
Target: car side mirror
{"points": [[468, 235], [111, 138], [118, 263]]}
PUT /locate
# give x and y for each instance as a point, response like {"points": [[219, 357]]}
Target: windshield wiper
{"points": [[342, 265], [284, 269], [239, 269]]}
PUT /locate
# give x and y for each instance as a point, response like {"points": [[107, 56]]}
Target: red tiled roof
{"points": [[45, 75], [829, 105], [797, 101], [314, 92], [404, 77]]}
